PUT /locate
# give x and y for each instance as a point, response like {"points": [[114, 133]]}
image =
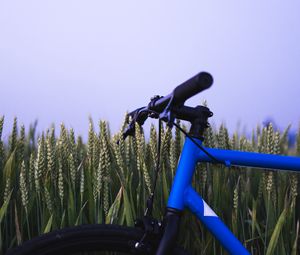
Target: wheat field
{"points": [[56, 180]]}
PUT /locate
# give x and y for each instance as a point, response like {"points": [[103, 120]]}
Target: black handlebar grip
{"points": [[191, 87]]}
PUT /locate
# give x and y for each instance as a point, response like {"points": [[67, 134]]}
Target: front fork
{"points": [[171, 227]]}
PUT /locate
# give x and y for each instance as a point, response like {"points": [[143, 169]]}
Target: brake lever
{"points": [[167, 114], [139, 115], [130, 130]]}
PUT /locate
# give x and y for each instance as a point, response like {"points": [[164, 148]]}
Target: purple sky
{"points": [[61, 61]]}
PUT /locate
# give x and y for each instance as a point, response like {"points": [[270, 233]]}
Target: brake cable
{"points": [[217, 161], [150, 200], [148, 212]]}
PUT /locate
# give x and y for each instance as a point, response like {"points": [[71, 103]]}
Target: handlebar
{"points": [[192, 87], [167, 107], [184, 91]]}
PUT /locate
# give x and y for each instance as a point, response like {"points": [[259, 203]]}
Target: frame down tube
{"points": [[212, 222], [182, 195]]}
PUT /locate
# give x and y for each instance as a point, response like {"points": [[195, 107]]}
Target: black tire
{"points": [[88, 238]]}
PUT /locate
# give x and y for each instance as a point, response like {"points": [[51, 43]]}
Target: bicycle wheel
{"points": [[88, 238]]}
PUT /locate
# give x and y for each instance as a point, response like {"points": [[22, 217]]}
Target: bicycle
{"points": [[151, 236]]}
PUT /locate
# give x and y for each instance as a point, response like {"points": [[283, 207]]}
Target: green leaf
{"points": [[4, 206], [71, 205], [294, 250], [17, 226], [91, 203], [121, 219], [131, 196], [127, 209], [276, 232], [165, 185], [49, 225], [62, 222], [9, 166], [115, 208], [80, 214], [253, 216]]}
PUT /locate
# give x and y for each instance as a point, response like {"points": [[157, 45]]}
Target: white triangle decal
{"points": [[207, 210]]}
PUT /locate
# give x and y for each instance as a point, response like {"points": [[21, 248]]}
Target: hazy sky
{"points": [[61, 61]]}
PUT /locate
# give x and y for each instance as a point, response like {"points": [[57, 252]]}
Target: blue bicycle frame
{"points": [[182, 194]]}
